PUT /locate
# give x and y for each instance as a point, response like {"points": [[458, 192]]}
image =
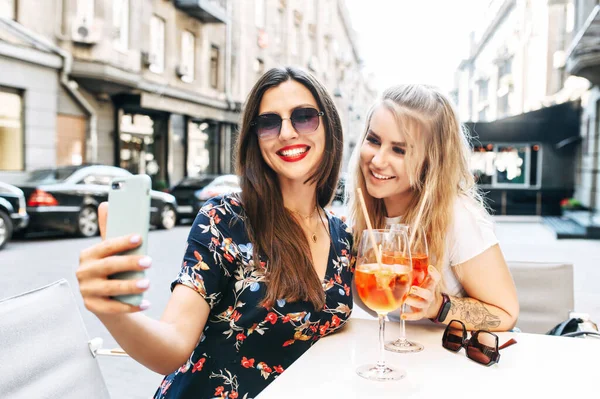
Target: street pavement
{"points": [[32, 263]]}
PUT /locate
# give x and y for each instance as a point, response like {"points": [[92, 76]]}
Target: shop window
{"points": [[506, 165], [203, 148], [12, 155]]}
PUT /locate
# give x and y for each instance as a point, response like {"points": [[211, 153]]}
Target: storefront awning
{"points": [[194, 110], [551, 125]]}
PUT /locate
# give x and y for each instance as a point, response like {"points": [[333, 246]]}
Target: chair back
{"points": [[44, 350], [546, 294]]}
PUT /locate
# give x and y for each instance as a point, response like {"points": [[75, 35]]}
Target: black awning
{"points": [[546, 125]]}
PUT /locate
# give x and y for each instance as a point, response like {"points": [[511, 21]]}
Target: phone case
{"points": [[129, 213]]}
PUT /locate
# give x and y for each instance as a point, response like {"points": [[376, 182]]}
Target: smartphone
{"points": [[129, 213]]}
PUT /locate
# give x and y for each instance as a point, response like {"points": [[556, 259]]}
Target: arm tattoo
{"points": [[474, 313]]}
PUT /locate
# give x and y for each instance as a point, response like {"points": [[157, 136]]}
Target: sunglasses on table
{"points": [[304, 120], [482, 347]]}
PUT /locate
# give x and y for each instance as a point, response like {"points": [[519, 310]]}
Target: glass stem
{"points": [[381, 361], [402, 324]]}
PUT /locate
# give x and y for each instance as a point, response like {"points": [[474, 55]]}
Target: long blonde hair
{"points": [[436, 159]]}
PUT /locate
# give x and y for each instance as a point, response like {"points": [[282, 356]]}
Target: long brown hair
{"points": [[436, 162], [273, 231]]}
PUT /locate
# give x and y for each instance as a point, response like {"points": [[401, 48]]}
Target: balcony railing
{"points": [[584, 55], [209, 11]]}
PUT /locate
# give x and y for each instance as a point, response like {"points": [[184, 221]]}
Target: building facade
{"points": [[583, 60], [313, 34], [509, 87], [517, 60], [157, 86]]}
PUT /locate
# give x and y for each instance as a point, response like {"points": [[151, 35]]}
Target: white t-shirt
{"points": [[470, 233]]}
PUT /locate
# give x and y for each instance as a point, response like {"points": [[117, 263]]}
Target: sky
{"points": [[414, 41]]}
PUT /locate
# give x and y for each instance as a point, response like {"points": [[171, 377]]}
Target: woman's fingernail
{"points": [[145, 283], [145, 262], [135, 239], [144, 305]]}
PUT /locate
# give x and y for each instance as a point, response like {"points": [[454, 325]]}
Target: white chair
{"points": [[44, 349], [546, 294]]}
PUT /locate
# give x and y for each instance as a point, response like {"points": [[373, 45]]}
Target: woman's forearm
{"points": [[478, 315], [152, 343]]}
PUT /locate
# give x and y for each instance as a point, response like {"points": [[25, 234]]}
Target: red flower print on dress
{"points": [[279, 369], [240, 337], [335, 321], [165, 386], [219, 390], [347, 289], [228, 257], [247, 363], [286, 318], [323, 328], [235, 316], [289, 342], [199, 364], [338, 279], [271, 317], [233, 395]]}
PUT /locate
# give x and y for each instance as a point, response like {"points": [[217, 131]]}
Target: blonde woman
{"points": [[413, 155]]}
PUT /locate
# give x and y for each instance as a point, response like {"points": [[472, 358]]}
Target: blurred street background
{"points": [[96, 89]]}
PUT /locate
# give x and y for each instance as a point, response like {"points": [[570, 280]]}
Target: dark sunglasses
{"points": [[482, 347], [304, 120]]}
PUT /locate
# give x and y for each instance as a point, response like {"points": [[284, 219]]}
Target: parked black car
{"points": [[67, 199], [13, 215], [184, 194]]}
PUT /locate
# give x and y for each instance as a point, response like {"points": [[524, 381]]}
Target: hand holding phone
{"points": [[129, 213]]}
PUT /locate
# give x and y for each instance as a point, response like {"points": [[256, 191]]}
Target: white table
{"points": [[538, 366]]}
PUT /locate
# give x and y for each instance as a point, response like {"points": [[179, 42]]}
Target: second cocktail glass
{"points": [[383, 277]]}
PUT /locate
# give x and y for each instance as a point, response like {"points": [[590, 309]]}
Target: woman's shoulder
{"points": [[472, 230], [224, 211], [470, 210]]}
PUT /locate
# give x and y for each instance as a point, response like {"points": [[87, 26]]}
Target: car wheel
{"points": [[168, 217], [87, 222], [6, 229]]}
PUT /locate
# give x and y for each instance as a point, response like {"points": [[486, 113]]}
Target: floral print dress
{"points": [[245, 346]]}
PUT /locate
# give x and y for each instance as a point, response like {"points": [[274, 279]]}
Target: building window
{"points": [[8, 9], [11, 130], [483, 91], [214, 66], [483, 114], [503, 106], [507, 165], [121, 24], [156, 60], [259, 13], [188, 55], [259, 67]]}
